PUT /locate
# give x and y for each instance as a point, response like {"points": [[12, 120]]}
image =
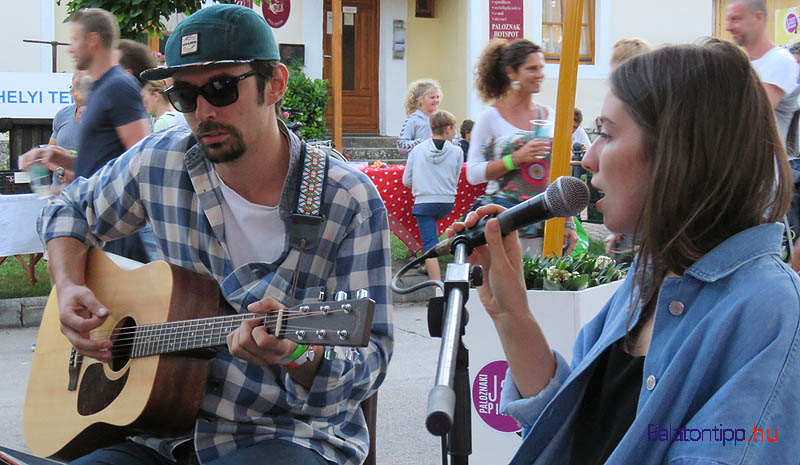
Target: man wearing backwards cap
{"points": [[221, 200]]}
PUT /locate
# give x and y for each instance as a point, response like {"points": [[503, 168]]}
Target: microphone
{"points": [[567, 196]]}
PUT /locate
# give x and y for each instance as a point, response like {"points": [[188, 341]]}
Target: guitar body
{"points": [[159, 394]]}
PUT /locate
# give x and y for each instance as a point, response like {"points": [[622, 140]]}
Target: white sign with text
{"points": [[33, 95]]}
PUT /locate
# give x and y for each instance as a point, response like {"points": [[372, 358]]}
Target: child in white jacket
{"points": [[432, 172]]}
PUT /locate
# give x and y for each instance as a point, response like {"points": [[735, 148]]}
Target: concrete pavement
{"points": [[401, 437]]}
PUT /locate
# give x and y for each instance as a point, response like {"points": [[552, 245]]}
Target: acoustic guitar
{"points": [[160, 357]]}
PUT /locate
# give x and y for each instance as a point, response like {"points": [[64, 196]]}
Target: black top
{"points": [[608, 406], [464, 147], [113, 102]]}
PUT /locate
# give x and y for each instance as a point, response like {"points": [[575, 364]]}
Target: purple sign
{"points": [[486, 397], [791, 23], [505, 19]]}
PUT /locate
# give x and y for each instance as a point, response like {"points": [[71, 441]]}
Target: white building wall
{"points": [[391, 72], [63, 32], [313, 20], [657, 22], [26, 23], [292, 31]]}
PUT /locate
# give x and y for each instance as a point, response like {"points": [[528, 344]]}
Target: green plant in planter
{"points": [[310, 98], [570, 273]]}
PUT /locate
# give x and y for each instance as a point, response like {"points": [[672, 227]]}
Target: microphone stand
{"points": [[449, 405]]}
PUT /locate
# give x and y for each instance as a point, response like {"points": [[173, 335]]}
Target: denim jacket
{"points": [[721, 380]]}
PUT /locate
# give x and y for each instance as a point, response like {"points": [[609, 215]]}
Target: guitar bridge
{"points": [[74, 370]]}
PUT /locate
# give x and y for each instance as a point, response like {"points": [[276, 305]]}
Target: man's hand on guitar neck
{"points": [[78, 308], [253, 344]]}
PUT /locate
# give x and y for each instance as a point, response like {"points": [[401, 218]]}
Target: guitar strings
{"points": [[217, 335], [127, 338], [205, 322], [191, 333]]}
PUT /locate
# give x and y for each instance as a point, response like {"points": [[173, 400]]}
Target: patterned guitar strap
{"points": [[306, 224]]}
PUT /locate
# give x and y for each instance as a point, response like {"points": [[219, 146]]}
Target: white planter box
{"points": [[561, 314]]}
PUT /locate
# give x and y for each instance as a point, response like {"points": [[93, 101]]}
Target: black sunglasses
{"points": [[219, 92]]}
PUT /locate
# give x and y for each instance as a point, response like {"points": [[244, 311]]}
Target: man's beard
{"points": [[82, 63], [232, 148]]}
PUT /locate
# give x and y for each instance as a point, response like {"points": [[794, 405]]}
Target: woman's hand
{"points": [[503, 289], [503, 295], [532, 150]]}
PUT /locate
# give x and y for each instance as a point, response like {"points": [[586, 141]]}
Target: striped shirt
{"points": [[166, 180]]}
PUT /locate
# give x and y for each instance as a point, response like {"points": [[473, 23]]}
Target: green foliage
{"points": [[14, 281], [141, 16], [597, 247], [309, 97], [399, 252], [570, 273]]}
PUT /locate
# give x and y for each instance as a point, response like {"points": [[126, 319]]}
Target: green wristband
{"points": [[509, 163], [300, 350]]}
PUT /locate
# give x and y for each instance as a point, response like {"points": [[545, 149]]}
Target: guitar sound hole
{"points": [[122, 343]]}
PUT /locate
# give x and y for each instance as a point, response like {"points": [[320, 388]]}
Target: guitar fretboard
{"points": [[181, 336]]}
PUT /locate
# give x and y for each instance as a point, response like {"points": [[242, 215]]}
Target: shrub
{"points": [[570, 273], [309, 98]]}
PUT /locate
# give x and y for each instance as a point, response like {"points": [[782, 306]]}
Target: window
{"points": [[424, 9], [553, 28]]}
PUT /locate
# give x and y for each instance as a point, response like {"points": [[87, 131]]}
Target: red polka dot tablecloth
{"points": [[398, 201]]}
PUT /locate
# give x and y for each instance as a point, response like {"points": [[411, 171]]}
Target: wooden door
{"points": [[360, 52]]}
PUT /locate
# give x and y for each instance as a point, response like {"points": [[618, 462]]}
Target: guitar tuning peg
{"points": [[330, 353], [321, 296], [352, 355], [362, 294], [340, 295]]}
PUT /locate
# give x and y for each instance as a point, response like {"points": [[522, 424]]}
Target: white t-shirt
{"points": [[492, 136], [253, 232], [779, 68], [580, 136]]}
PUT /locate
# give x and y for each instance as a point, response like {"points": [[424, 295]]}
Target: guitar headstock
{"points": [[341, 322]]}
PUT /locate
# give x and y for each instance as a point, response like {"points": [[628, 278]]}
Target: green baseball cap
{"points": [[219, 34]]}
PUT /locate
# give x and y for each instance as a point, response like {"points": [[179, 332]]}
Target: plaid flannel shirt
{"points": [[166, 180]]}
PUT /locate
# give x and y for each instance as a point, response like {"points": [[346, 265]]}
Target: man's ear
{"points": [[93, 40], [276, 85]]}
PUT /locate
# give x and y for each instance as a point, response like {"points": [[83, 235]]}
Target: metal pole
{"points": [[442, 398], [52, 43]]}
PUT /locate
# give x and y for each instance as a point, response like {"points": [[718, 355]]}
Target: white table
{"points": [[18, 237]]}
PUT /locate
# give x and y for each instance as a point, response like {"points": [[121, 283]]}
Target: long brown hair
{"points": [[712, 150]]}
